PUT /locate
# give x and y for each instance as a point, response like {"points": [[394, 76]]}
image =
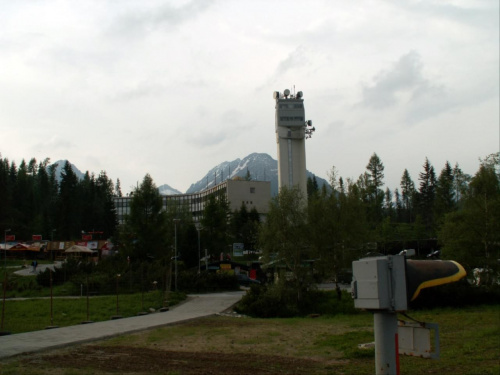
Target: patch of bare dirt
{"points": [[128, 360]]}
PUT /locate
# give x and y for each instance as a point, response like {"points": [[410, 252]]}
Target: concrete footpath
{"points": [[196, 306]]}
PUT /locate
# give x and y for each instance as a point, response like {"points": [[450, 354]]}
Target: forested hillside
{"points": [[446, 209], [33, 202]]}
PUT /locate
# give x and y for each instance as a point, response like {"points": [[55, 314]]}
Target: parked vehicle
{"points": [[244, 280]]}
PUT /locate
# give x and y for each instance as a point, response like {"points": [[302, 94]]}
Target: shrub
{"points": [[279, 300], [192, 282], [328, 303], [267, 301]]}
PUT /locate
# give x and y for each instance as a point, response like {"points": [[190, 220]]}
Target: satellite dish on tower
{"points": [[299, 94], [286, 93], [276, 95]]}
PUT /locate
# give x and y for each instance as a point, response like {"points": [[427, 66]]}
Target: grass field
{"points": [[35, 314], [470, 343]]}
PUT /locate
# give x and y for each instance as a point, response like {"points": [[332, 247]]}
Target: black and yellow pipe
{"points": [[422, 274]]}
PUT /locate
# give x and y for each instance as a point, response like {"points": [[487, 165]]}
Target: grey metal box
{"points": [[379, 283]]}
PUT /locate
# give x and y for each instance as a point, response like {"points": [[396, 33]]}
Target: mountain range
{"points": [[59, 167], [256, 166]]}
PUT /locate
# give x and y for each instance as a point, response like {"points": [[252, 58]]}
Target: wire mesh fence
{"points": [[75, 291]]}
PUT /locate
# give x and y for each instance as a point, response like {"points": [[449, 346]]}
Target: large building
{"points": [[291, 132], [254, 194]]}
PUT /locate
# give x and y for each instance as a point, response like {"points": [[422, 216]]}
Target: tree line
{"points": [[454, 212], [451, 211], [34, 202]]}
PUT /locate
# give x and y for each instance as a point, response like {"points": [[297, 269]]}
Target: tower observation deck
{"points": [[291, 132]]}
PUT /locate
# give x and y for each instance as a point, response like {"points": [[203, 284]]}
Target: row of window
{"points": [[193, 202], [291, 118], [291, 105]]}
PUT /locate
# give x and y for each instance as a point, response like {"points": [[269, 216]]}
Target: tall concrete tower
{"points": [[291, 132]]}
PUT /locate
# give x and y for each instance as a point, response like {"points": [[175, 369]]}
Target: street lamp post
{"points": [[198, 228], [117, 316], [5, 247], [175, 249], [2, 332], [52, 244]]}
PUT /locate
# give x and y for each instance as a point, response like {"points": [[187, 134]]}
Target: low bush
{"points": [[59, 275], [102, 278], [278, 300], [267, 301], [194, 282]]}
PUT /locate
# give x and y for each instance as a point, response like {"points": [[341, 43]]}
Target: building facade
{"points": [[291, 132], [254, 194]]}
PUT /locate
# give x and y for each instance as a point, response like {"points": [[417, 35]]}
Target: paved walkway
{"points": [[28, 270], [197, 306]]}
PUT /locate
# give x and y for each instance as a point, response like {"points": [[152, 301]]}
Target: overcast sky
{"points": [[173, 88]]}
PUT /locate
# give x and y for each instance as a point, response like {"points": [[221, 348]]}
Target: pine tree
{"points": [[145, 229], [388, 204], [68, 205], [105, 211], [460, 184], [398, 205], [312, 186], [407, 197], [215, 224], [45, 198], [427, 196], [375, 181], [118, 189], [5, 194], [445, 193], [24, 199]]}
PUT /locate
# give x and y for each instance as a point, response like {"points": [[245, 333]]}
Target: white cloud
{"points": [[172, 88], [403, 83]]}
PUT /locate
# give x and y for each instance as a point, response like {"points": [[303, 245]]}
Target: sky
{"points": [[173, 88]]}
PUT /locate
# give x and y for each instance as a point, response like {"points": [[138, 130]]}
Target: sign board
{"points": [[10, 237], [36, 237], [415, 339], [86, 237], [238, 249], [92, 245]]}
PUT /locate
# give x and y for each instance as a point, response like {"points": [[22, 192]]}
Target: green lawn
{"points": [[470, 342], [35, 313]]}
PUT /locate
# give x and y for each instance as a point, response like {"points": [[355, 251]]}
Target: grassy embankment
{"points": [[470, 339]]}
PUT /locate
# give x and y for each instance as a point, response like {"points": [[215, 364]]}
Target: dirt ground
{"points": [[215, 345], [97, 359]]}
